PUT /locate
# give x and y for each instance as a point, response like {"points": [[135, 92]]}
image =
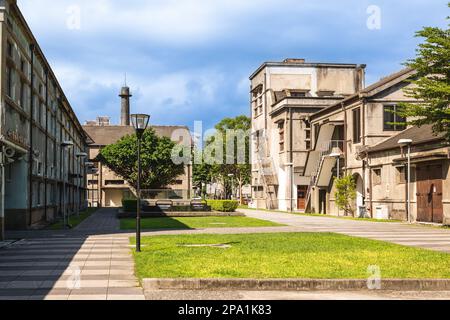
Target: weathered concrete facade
{"points": [[36, 118], [430, 177], [346, 131], [283, 97]]}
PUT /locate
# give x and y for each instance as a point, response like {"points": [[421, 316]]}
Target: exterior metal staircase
{"points": [[326, 149], [267, 174]]}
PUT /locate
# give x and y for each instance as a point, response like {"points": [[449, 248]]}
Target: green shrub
{"points": [[223, 205], [129, 205]]}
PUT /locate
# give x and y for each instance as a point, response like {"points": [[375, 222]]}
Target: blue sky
{"points": [[189, 60]]}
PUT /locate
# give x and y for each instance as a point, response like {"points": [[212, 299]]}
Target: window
{"points": [[114, 182], [402, 175], [22, 95], [376, 176], [9, 49], [23, 66], [308, 145], [178, 182], [356, 125], [281, 135], [392, 121], [298, 94], [39, 194], [9, 82]]}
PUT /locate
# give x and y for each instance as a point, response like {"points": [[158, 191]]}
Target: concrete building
{"points": [[343, 133], [41, 175], [105, 188], [283, 97], [430, 177]]}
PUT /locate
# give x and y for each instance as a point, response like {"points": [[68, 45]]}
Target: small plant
{"points": [[345, 194], [223, 205]]}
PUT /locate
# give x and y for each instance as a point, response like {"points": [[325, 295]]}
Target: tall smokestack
{"points": [[125, 102]]}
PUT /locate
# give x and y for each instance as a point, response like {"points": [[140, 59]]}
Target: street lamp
{"points": [[407, 143], [65, 145], [80, 156], [140, 123]]}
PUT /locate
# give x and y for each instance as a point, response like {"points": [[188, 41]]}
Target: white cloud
{"points": [[170, 21]]}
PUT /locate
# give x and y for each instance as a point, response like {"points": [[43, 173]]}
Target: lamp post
{"points": [[407, 143], [140, 123], [65, 145], [80, 156], [231, 176]]}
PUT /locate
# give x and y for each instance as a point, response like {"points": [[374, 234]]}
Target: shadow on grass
{"points": [[151, 224]]}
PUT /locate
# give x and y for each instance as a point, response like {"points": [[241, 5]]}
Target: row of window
{"points": [[401, 175]]}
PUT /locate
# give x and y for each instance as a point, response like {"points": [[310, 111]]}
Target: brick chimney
{"points": [[125, 103]]}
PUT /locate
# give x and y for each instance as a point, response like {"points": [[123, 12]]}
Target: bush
{"points": [[223, 205], [129, 205]]}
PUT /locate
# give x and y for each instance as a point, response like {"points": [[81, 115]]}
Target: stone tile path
{"points": [[400, 233], [75, 266]]}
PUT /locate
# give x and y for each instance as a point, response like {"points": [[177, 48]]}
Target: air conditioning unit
{"points": [[381, 212]]}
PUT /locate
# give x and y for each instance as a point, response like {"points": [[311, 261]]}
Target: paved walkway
{"points": [[89, 262], [399, 233]]}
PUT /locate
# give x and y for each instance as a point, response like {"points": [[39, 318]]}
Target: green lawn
{"points": [[195, 223], [290, 255], [74, 220]]}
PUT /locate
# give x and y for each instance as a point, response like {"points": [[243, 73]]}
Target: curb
{"points": [[294, 284]]}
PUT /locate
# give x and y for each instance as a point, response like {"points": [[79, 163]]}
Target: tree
{"points": [[431, 84], [201, 175], [236, 167], [232, 135], [158, 169], [345, 194]]}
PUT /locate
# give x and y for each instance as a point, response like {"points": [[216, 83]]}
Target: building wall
{"points": [[35, 182], [292, 113], [372, 132], [391, 192]]}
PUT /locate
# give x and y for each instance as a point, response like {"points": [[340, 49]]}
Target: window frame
{"points": [[356, 117], [392, 127]]}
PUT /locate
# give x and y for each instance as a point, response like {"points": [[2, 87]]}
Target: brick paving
{"points": [[91, 262]]}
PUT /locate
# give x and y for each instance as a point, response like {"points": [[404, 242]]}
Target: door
{"points": [[429, 194], [322, 201], [301, 197]]}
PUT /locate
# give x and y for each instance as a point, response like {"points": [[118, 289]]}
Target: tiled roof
{"points": [[106, 135], [418, 135]]}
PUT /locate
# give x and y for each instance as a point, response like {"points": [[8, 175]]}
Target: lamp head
{"points": [[335, 155], [140, 123], [405, 142], [66, 144], [81, 155]]}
